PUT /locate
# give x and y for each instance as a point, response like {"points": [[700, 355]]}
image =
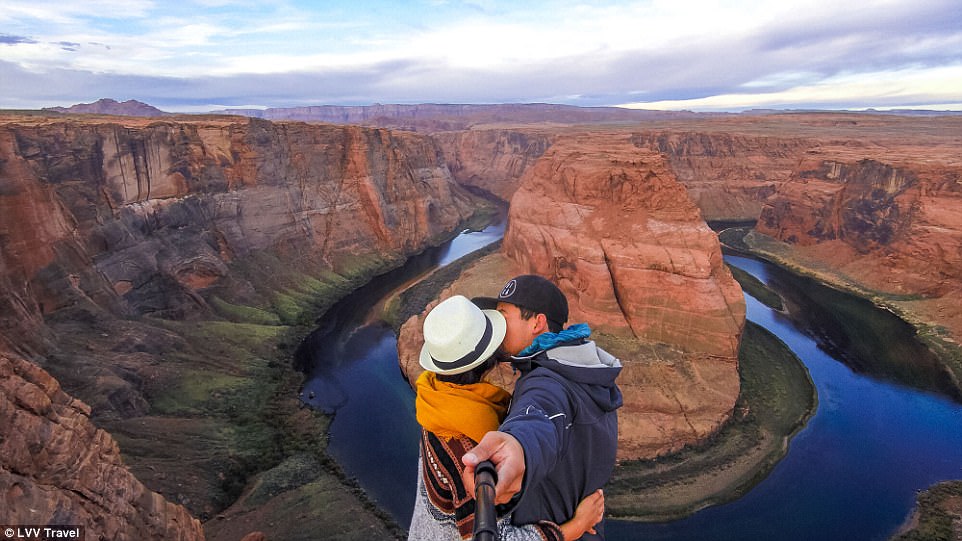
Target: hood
{"points": [[578, 360]]}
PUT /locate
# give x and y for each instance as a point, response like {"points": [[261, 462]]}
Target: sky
{"points": [[698, 55]]}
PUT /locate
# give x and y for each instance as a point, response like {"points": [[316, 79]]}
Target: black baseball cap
{"points": [[533, 292]]}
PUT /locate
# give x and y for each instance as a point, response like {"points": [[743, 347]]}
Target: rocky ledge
{"points": [[58, 468]]}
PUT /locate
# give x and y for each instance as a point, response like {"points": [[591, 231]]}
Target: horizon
{"points": [[699, 56], [230, 110]]}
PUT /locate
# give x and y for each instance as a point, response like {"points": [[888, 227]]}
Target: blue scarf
{"points": [[549, 340]]}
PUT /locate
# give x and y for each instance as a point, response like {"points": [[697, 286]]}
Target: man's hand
{"points": [[507, 455]]}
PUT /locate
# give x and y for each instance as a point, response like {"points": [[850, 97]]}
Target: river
{"points": [[354, 374], [880, 434]]}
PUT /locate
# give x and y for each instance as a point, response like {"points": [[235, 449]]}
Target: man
{"points": [[559, 439]]}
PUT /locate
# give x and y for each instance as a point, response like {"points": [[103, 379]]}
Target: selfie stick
{"points": [[485, 518]]}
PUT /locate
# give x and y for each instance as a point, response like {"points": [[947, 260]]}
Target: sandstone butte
{"points": [[108, 226], [868, 202], [609, 223]]}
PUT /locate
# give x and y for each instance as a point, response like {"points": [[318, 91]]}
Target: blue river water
{"points": [[851, 474], [354, 374]]}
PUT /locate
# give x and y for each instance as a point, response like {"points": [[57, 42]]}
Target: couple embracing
{"points": [[553, 442]]}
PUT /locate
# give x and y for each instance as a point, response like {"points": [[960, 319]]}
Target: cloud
{"points": [[7, 39], [936, 89], [696, 53]]}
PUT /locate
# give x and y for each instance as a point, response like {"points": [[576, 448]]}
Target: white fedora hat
{"points": [[459, 336]]}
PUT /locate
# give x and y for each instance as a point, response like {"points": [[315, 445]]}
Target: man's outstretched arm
{"points": [[530, 440]]}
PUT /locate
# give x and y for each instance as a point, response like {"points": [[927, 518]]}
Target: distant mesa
{"points": [[447, 117], [107, 106]]}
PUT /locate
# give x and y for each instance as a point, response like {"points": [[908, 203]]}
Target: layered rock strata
{"points": [[609, 223], [146, 219], [730, 165], [871, 213], [729, 176], [881, 214], [57, 468], [492, 160], [239, 187], [114, 232]]}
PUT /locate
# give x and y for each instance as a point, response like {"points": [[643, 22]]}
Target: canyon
{"points": [[611, 226], [866, 201], [159, 271]]}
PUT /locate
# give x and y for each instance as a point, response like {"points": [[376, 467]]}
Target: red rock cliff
{"points": [[609, 223], [57, 468], [613, 227], [730, 165], [112, 213], [108, 227], [883, 221], [728, 175], [899, 217], [493, 160]]}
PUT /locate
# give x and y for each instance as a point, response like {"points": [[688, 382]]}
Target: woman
{"points": [[455, 409]]}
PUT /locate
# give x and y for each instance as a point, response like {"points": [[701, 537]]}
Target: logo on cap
{"points": [[509, 289]]}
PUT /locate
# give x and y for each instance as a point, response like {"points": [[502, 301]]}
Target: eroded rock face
{"points": [[612, 227], [56, 467], [140, 219], [110, 228], [107, 213], [493, 160], [894, 227], [728, 175], [608, 222], [885, 222]]}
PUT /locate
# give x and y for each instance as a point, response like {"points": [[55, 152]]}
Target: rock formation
{"points": [[880, 214], [492, 160], [609, 223], [728, 175], [107, 106], [141, 219], [730, 165], [57, 468], [901, 218], [113, 233]]}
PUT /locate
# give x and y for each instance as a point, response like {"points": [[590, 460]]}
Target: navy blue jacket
{"points": [[564, 414]]}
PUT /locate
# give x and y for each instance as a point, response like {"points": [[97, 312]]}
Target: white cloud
{"points": [[56, 13], [917, 88], [698, 53]]}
